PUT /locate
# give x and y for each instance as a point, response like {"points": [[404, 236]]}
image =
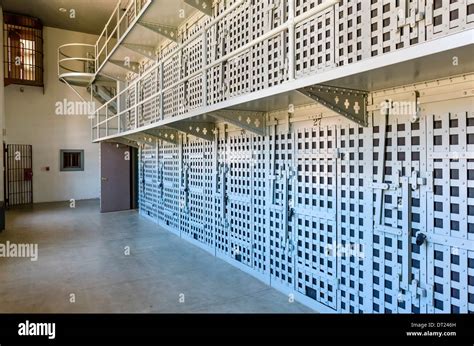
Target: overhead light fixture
{"points": [[62, 9]]}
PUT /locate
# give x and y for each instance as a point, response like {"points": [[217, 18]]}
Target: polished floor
{"points": [[82, 266]]}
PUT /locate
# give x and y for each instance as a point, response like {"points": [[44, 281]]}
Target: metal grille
{"points": [[259, 192], [315, 213], [314, 41], [130, 101], [221, 222], [197, 203], [352, 219], [18, 174], [173, 101], [450, 206], [282, 267], [168, 171], [321, 207], [148, 180], [147, 88], [350, 45], [23, 50], [239, 198], [348, 32]]}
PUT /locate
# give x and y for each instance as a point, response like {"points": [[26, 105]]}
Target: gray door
{"points": [[115, 168]]}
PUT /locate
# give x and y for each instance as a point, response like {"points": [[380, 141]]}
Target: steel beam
{"points": [[205, 6], [349, 103], [164, 30], [204, 130], [250, 121]]}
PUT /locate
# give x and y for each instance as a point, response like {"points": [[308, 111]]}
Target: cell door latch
{"points": [[339, 154], [416, 290], [416, 181]]}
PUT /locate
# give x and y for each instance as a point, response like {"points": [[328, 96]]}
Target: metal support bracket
{"points": [[164, 30], [124, 141], [131, 66], [146, 51], [140, 138], [73, 89], [204, 130], [205, 6], [105, 78], [249, 121], [349, 103], [167, 135]]}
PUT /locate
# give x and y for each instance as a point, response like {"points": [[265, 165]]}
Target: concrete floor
{"points": [[81, 252]]}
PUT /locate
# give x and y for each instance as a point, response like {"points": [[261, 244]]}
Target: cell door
{"points": [[400, 186], [18, 174], [148, 180], [281, 219], [196, 190], [241, 188], [355, 218], [315, 218], [169, 198], [449, 245], [236, 207]]}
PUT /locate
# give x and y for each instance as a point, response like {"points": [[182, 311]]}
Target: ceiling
{"points": [[91, 15]]}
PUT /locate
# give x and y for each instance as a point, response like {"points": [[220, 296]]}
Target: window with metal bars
{"points": [[72, 160], [23, 50]]}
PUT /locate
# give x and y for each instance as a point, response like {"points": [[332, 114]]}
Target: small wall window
{"points": [[72, 160]]}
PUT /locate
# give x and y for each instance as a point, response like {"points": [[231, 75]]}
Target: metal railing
{"points": [[116, 28], [91, 58], [75, 59], [305, 38], [105, 123]]}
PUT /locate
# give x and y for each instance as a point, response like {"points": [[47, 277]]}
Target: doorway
{"points": [[18, 174], [119, 177]]}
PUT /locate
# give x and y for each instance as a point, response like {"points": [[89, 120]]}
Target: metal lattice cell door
{"points": [[450, 206], [18, 174], [314, 206], [236, 198], [400, 188]]}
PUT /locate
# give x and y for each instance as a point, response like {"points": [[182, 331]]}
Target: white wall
{"points": [[31, 119]]}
